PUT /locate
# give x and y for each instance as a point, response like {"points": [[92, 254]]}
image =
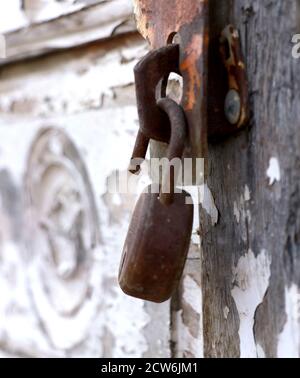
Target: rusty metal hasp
{"points": [[236, 101], [186, 22], [159, 234]]}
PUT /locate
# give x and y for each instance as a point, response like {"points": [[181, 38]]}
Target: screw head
{"points": [[232, 106]]}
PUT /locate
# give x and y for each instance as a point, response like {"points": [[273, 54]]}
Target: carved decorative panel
{"points": [[62, 216]]}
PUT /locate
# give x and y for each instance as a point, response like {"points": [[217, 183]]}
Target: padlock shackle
{"points": [[148, 72], [176, 146]]}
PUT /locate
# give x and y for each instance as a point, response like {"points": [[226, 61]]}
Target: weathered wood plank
{"points": [[251, 257], [87, 24]]}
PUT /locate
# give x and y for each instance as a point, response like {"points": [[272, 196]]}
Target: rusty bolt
{"points": [[233, 106]]}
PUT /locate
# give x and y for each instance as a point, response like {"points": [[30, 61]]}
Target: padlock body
{"points": [[156, 247]]}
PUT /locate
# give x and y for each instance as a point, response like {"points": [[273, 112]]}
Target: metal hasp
{"points": [[228, 108], [215, 87], [236, 101], [158, 239], [159, 22], [149, 73]]}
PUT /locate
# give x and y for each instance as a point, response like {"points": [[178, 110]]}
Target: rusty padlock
{"points": [[159, 235]]}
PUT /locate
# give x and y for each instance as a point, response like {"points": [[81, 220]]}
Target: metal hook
{"points": [[175, 149]]}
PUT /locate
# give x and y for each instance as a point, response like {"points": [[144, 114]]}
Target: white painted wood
{"points": [[65, 26], [67, 122], [11, 16]]}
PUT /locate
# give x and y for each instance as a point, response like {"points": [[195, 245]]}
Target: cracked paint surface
{"points": [[208, 204], [187, 320], [226, 312], [90, 96], [241, 211], [251, 281], [289, 339]]}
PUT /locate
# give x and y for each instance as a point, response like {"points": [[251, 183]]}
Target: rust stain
{"points": [[235, 66], [156, 20], [143, 19], [189, 65]]}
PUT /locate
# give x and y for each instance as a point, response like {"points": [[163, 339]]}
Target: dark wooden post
{"points": [[251, 260]]}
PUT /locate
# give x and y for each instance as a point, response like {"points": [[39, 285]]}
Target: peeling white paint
{"points": [[251, 280], [226, 312], [289, 339], [188, 344], [191, 294], [208, 204], [11, 16], [273, 172], [40, 98], [236, 212], [90, 97], [260, 351], [242, 212], [195, 194], [41, 10], [247, 195], [115, 309]]}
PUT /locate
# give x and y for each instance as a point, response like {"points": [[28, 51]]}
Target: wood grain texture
{"points": [[251, 257], [81, 24]]}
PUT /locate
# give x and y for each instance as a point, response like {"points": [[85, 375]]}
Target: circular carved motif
{"points": [[64, 278]]}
